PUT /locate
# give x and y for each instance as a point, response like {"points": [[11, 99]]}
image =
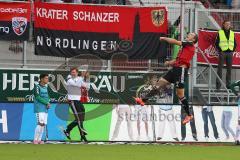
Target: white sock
{"points": [[37, 132], [41, 133]]}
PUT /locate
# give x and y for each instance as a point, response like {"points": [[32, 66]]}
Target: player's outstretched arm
{"points": [[171, 40]]}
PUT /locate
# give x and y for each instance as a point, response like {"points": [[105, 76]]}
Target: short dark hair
{"points": [[74, 68], [225, 21], [43, 76]]}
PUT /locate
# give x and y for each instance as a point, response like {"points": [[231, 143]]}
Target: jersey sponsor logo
{"points": [[19, 25], [158, 17]]}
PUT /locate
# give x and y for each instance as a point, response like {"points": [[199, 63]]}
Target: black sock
{"points": [[185, 105], [83, 138]]}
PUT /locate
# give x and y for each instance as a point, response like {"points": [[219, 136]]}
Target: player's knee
{"points": [[180, 86], [180, 93]]}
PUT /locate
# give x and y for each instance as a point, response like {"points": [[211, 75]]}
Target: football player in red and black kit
{"points": [[178, 73]]}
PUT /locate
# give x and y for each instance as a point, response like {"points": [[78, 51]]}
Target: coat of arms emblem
{"points": [[158, 17], [19, 25]]}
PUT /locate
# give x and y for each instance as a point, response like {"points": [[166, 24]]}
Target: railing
{"points": [[209, 81]]}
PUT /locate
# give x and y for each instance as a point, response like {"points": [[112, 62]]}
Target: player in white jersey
{"points": [[74, 88]]}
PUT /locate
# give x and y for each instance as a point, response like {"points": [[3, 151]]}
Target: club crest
{"points": [[158, 17], [19, 25]]}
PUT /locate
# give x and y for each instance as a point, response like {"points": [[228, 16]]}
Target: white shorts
{"points": [[42, 117]]}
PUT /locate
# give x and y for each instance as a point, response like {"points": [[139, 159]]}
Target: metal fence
{"points": [[206, 75]]}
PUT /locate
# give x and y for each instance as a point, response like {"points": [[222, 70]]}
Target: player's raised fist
{"points": [[166, 63]]}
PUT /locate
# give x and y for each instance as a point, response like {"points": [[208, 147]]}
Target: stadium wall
{"points": [[103, 116], [18, 121]]}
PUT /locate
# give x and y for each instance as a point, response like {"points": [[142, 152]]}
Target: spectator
{"points": [[207, 112], [225, 44], [226, 122]]}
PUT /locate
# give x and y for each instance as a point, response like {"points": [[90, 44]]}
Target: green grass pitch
{"points": [[117, 152]]}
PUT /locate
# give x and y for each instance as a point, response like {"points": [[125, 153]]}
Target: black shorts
{"points": [[177, 75]]}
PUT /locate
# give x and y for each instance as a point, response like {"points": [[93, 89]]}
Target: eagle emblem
{"points": [[158, 17]]}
